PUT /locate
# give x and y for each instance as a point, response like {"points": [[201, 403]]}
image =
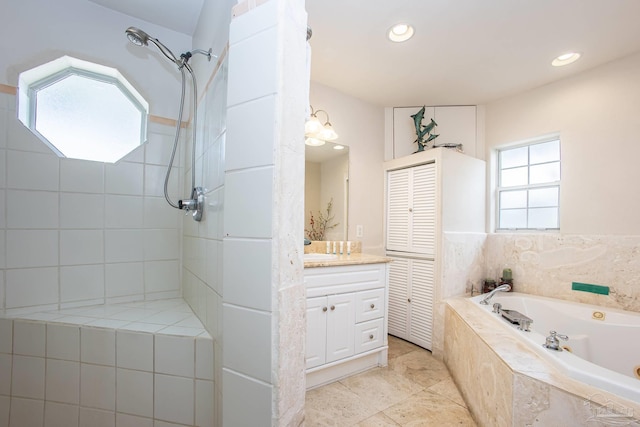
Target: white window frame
{"points": [[552, 184], [45, 75]]}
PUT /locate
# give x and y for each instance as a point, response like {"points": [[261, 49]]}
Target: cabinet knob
{"points": [[324, 308], [371, 336], [373, 306], [333, 307]]}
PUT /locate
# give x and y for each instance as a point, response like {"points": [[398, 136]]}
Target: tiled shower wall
{"points": [[75, 232]]}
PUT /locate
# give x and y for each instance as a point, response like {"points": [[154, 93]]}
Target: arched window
{"points": [[82, 110]]}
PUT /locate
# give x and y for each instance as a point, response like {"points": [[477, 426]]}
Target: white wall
{"points": [[361, 127], [596, 115], [38, 31]]}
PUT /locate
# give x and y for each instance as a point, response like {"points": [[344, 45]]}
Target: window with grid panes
{"points": [[529, 186]]}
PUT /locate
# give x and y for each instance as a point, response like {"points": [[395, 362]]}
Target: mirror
{"points": [[327, 179]]}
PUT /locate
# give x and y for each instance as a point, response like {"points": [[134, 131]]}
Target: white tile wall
{"points": [[175, 355], [134, 392], [98, 346], [124, 279], [63, 342], [32, 209], [96, 418], [31, 286], [32, 248], [4, 410], [26, 412], [81, 247], [124, 245], [32, 171], [174, 399], [247, 287], [5, 374], [238, 390], [247, 349], [125, 420], [60, 415], [124, 211], [240, 211], [98, 387], [81, 210], [29, 338], [134, 350], [84, 282], [261, 154], [81, 176], [124, 178], [63, 381], [27, 377]]}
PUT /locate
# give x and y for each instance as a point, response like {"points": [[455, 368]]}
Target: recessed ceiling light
{"points": [[566, 59], [338, 147], [400, 33]]}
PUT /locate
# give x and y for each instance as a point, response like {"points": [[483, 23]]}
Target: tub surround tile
{"points": [[521, 385], [174, 399], [134, 350], [98, 346], [98, 387], [134, 392]]}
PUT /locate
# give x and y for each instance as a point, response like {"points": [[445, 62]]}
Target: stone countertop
{"points": [[353, 259]]}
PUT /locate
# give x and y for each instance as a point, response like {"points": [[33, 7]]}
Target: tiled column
{"points": [[263, 294]]}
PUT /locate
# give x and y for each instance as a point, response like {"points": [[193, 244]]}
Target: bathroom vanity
{"points": [[346, 315]]}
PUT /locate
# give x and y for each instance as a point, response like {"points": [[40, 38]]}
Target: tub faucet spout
{"points": [[501, 288]]}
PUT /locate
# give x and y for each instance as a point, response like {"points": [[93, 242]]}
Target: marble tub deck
{"points": [[414, 389]]}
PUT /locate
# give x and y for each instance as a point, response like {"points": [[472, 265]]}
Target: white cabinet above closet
{"points": [[457, 124]]}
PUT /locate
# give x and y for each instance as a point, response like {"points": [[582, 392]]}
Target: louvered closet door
{"points": [[398, 296], [421, 306], [398, 215], [411, 210], [423, 209]]}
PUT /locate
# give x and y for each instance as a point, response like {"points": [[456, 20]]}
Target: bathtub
{"points": [[508, 378], [603, 349]]}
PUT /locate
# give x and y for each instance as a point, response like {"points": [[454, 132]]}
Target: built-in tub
{"points": [[603, 348], [509, 378]]}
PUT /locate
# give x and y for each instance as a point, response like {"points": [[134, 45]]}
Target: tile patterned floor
{"points": [[415, 389]]}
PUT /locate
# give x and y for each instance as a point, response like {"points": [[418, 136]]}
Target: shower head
{"points": [[137, 36], [140, 38]]}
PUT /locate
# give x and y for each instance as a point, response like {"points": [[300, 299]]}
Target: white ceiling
{"points": [[463, 51], [178, 15]]}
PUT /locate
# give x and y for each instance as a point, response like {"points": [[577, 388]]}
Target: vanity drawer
{"points": [[369, 335], [369, 305]]}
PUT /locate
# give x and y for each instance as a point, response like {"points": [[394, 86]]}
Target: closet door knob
{"points": [[409, 300]]}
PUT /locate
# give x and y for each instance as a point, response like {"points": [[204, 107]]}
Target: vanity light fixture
{"points": [[566, 59], [400, 33], [315, 132]]}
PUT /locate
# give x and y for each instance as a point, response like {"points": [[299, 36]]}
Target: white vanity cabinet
{"points": [[346, 320]]}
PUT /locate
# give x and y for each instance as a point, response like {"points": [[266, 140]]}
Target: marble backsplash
{"points": [[547, 264]]}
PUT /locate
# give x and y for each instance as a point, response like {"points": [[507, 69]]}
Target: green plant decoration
{"points": [[423, 131], [317, 228]]}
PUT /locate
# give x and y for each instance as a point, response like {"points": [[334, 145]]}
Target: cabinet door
{"points": [[423, 209], [421, 306], [340, 326], [317, 310], [411, 209], [398, 205], [398, 297]]}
